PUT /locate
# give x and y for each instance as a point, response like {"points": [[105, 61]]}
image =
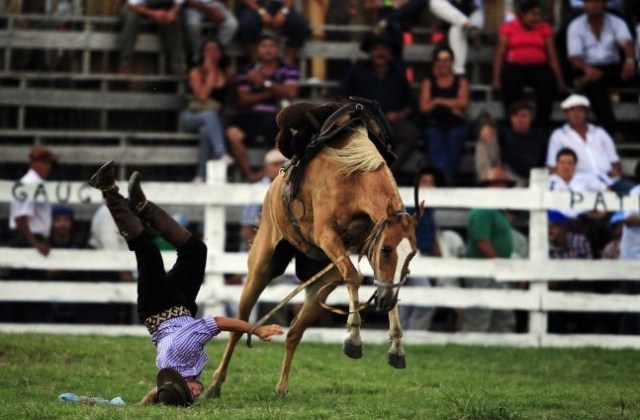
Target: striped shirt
{"points": [[180, 344], [284, 74]]}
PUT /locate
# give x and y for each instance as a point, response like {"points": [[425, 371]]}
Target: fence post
{"points": [[214, 233], [538, 250]]}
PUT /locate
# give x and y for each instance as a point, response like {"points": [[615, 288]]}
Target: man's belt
{"points": [[153, 322]]}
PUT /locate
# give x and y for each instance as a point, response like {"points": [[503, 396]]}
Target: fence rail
{"points": [[216, 195]]}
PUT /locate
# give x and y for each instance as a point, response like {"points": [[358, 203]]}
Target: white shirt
{"points": [[581, 182], [38, 213], [581, 41], [630, 242], [596, 154], [104, 232]]}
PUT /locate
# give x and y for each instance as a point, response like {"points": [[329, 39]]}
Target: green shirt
{"points": [[491, 225]]}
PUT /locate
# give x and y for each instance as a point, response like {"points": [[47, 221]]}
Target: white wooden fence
{"points": [[216, 194]]}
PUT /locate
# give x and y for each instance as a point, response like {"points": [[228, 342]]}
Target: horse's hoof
{"points": [[351, 350], [398, 361], [281, 391], [212, 392]]}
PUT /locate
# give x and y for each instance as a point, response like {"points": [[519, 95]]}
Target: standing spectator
{"points": [[465, 19], [277, 15], [518, 148], [197, 11], [383, 79], [489, 236], [263, 88], [165, 15], [525, 55], [594, 148], [30, 220], [594, 40], [209, 84], [444, 98]]}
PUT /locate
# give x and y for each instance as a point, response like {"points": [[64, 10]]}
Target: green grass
{"points": [[440, 382]]}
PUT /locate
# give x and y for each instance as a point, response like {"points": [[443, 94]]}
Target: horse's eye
{"points": [[386, 251]]}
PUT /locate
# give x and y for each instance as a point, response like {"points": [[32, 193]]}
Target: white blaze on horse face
{"points": [[403, 250]]}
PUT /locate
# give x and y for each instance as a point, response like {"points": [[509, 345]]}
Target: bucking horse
{"points": [[336, 197]]}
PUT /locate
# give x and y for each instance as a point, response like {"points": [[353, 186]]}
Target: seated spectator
{"points": [[165, 16], [395, 18], [64, 234], [518, 148], [209, 84], [278, 15], [465, 20], [630, 250], [594, 148], [444, 98], [263, 88], [611, 250], [525, 55], [594, 40], [383, 79], [565, 177], [612, 5], [198, 11], [489, 236]]}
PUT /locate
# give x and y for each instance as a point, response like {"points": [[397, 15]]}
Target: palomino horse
{"points": [[347, 202]]}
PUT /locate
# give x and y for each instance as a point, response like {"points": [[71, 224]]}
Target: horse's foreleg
{"points": [[309, 312], [395, 357], [353, 342]]}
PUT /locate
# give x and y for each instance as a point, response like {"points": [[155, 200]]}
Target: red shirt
{"points": [[526, 47]]}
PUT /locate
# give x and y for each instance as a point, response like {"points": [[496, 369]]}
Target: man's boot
{"points": [[128, 224], [156, 217]]}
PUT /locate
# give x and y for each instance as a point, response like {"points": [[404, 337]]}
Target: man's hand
{"points": [[265, 332]]}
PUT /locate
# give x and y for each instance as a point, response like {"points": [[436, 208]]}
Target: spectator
{"points": [[444, 98], [30, 219], [565, 244], [594, 148], [611, 250], [630, 250], [209, 83], [565, 178], [465, 19], [197, 11], [395, 18], [489, 236], [383, 79], [165, 15], [593, 43], [277, 15], [263, 88], [518, 148], [64, 234], [525, 55]]}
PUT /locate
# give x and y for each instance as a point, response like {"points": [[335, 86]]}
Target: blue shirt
{"points": [[180, 344]]}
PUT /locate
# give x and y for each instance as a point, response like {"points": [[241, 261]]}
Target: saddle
{"points": [[358, 112]]}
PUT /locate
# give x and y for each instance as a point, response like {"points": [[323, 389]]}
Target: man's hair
{"points": [[518, 106], [526, 6], [567, 151]]}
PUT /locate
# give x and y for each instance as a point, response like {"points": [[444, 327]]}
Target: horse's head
{"points": [[391, 247]]}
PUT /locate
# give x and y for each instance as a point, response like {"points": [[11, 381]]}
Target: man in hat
{"points": [[594, 147], [383, 79], [263, 88], [29, 219], [167, 301], [594, 40], [489, 236]]}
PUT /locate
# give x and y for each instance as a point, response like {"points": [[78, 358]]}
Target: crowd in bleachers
{"points": [[593, 50]]}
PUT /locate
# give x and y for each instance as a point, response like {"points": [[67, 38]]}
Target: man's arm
{"points": [[22, 223], [264, 332], [488, 251], [150, 398]]}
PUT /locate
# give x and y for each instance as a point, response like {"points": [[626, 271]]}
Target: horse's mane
{"points": [[358, 155]]}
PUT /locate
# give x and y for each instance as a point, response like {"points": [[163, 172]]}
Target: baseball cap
{"points": [[575, 100]]}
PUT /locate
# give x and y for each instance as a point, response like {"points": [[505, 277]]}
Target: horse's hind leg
{"points": [[260, 274], [309, 312], [395, 357]]}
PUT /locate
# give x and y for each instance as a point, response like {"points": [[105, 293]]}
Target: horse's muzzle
{"points": [[386, 296]]}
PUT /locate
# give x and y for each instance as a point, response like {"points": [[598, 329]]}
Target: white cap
{"points": [[575, 100], [274, 156]]}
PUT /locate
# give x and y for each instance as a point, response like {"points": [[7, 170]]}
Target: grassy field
{"points": [[440, 382]]}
